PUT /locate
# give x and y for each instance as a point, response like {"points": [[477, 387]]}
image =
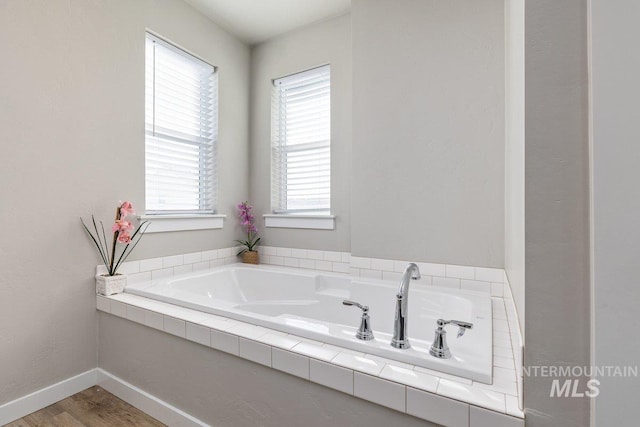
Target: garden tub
{"points": [[308, 304]]}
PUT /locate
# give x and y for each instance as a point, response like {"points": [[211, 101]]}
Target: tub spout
{"points": [[400, 325]]}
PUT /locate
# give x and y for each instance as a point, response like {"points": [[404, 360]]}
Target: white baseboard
{"points": [[42, 398], [160, 410]]}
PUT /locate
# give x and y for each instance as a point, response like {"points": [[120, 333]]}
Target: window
{"points": [[301, 143], [181, 131]]}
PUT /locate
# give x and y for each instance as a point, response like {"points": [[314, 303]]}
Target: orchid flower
{"points": [[122, 226], [124, 237], [126, 208]]}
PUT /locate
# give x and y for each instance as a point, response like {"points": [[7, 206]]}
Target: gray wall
{"points": [[428, 131], [514, 152], [72, 120], [327, 42], [556, 205], [616, 240], [224, 390]]}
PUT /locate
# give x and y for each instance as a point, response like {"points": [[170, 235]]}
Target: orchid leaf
{"points": [[104, 236], [94, 241]]}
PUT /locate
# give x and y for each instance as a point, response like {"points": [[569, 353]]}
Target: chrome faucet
{"points": [[400, 324]]}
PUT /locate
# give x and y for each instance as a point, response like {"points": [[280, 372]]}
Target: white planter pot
{"points": [[110, 285]]}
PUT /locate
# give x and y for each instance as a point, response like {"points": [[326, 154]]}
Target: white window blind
{"points": [[181, 130], [301, 142]]}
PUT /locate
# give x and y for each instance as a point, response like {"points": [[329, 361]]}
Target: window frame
{"points": [[203, 212], [279, 195]]}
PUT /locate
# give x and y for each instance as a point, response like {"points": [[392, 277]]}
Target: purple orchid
{"points": [[247, 221]]}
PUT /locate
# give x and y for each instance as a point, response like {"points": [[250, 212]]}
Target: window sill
{"points": [[167, 223], [310, 222]]}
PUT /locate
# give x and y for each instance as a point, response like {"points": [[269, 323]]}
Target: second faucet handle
{"points": [[462, 325], [439, 347], [364, 331], [364, 308]]}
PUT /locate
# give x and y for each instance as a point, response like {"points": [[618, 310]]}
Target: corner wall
{"points": [[428, 131], [424, 175], [72, 120]]}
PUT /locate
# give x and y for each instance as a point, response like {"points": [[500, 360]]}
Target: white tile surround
{"points": [[427, 394], [451, 276]]}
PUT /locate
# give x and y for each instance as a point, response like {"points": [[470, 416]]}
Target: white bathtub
{"points": [[309, 304]]}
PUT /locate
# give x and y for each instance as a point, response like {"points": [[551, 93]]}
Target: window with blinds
{"points": [[301, 142], [181, 130]]}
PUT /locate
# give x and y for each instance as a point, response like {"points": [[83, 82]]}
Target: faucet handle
{"points": [[463, 326], [439, 347], [364, 308], [364, 332]]}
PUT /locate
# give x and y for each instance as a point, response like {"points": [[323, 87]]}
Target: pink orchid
{"points": [[124, 237], [126, 208], [113, 255], [122, 226]]}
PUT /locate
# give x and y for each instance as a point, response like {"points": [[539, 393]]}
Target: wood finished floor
{"points": [[93, 407]]}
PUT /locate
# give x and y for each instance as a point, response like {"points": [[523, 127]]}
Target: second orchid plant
{"points": [[247, 221], [124, 233]]}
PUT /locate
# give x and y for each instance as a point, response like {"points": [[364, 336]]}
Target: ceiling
{"points": [[254, 21]]}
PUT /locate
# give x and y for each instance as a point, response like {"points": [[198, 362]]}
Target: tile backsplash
{"points": [[482, 279], [490, 280], [155, 268]]}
